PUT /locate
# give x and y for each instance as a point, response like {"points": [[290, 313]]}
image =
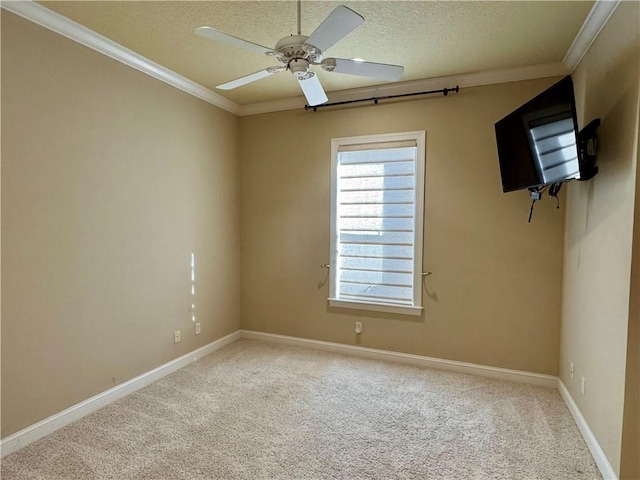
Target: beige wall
{"points": [[630, 460], [599, 232], [110, 179], [494, 297]]}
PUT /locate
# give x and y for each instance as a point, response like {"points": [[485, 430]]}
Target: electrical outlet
{"points": [[358, 327], [197, 329], [572, 369], [176, 336], [583, 384]]}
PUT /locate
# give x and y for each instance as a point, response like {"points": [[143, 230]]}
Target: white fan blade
{"points": [[313, 91], [340, 23], [213, 34], [380, 71], [238, 82]]}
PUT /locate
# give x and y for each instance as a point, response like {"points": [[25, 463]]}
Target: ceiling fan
{"points": [[298, 53]]}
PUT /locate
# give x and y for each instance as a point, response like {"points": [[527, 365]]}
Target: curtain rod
{"points": [[375, 100]]}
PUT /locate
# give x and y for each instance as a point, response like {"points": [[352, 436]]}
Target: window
{"points": [[377, 200]]}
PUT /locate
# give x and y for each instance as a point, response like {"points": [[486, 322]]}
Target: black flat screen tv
{"points": [[539, 144]]}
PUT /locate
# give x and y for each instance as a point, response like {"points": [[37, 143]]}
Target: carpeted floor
{"points": [[254, 410]]}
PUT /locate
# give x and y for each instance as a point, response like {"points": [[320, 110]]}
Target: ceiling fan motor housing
{"points": [[294, 47]]}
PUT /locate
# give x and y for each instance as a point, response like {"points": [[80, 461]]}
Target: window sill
{"points": [[376, 307]]}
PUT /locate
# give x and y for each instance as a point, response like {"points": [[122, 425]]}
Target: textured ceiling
{"points": [[429, 38]]}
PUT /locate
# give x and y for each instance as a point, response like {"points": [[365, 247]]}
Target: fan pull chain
{"points": [[299, 17]]}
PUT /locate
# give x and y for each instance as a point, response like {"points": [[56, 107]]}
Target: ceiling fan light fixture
{"points": [[300, 68]]}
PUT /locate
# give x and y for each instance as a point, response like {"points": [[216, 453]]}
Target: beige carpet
{"points": [[259, 411]]}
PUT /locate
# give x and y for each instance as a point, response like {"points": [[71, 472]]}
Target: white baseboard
{"points": [[594, 447], [49, 425], [599, 457], [407, 358]]}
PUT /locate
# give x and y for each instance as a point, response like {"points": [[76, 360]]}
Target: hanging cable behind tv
{"points": [[536, 194]]}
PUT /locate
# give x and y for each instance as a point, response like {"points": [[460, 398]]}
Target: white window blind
{"points": [[377, 222]]}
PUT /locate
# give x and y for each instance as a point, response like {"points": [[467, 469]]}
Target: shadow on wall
{"points": [[323, 282], [432, 295], [614, 160], [596, 97]]}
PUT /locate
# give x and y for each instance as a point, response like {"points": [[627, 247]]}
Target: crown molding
{"points": [[595, 22], [30, 10], [465, 80], [68, 28]]}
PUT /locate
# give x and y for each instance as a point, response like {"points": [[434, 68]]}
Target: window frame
{"points": [[419, 199]]}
